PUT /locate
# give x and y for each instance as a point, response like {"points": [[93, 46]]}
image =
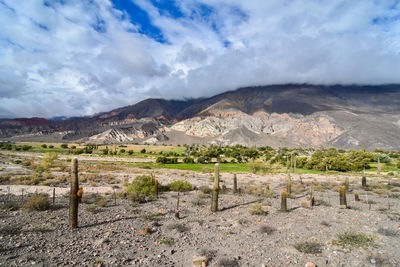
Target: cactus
{"points": [[379, 166], [235, 184], [347, 183], [284, 200], [156, 188], [287, 163], [313, 201], [73, 199], [214, 203], [267, 187], [177, 207], [364, 181], [356, 196], [342, 194], [54, 196], [289, 184]]}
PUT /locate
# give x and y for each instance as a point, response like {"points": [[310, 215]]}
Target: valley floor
{"points": [[248, 230]]}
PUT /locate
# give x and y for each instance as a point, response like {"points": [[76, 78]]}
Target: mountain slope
{"points": [[278, 115]]}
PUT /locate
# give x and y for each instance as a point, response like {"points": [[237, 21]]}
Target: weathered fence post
{"points": [[234, 183]]}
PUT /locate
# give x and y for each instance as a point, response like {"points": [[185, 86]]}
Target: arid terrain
{"points": [[249, 228]]}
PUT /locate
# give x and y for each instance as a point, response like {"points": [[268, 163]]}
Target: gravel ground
{"points": [[136, 234]]}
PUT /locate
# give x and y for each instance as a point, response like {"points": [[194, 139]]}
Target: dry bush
{"points": [[37, 202], [266, 229], [257, 209]]}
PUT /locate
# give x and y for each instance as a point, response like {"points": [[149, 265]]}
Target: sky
{"points": [[77, 57]]}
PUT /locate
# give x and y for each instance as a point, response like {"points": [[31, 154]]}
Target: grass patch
{"points": [[181, 228], [10, 230], [309, 247], [349, 239], [169, 241], [11, 206], [256, 209]]}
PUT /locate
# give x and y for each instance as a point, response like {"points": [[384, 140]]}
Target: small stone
{"points": [[18, 245], [373, 261], [310, 264], [172, 251]]}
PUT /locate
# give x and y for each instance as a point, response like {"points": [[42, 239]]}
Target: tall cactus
{"points": [[235, 183], [156, 188], [215, 190], [342, 194], [73, 198], [356, 196], [347, 183], [364, 181], [289, 184], [284, 200]]}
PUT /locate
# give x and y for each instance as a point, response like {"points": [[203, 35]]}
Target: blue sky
{"points": [[80, 57]]}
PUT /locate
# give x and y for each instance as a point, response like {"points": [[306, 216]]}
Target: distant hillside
{"points": [[277, 115]]}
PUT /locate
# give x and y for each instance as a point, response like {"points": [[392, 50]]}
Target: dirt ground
{"points": [[248, 230]]}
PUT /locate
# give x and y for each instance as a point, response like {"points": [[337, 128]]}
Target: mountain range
{"points": [[291, 115]]}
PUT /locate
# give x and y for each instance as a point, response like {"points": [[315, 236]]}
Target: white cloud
{"points": [[54, 62]]}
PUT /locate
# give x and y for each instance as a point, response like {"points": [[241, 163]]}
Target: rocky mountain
{"points": [[278, 115]]}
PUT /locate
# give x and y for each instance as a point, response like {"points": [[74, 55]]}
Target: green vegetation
{"points": [[141, 188], [180, 186], [232, 159], [349, 239], [309, 247]]}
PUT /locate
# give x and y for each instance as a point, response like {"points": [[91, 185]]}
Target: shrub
{"points": [[11, 206], [101, 201], [205, 189], [143, 151], [188, 160], [256, 209], [26, 147], [130, 152], [350, 239], [37, 202], [140, 188], [180, 186], [266, 229], [44, 146], [309, 247], [64, 145], [51, 146], [169, 241], [48, 160], [165, 160], [181, 228], [258, 166]]}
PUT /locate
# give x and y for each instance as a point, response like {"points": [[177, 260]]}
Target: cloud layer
{"points": [[82, 57]]}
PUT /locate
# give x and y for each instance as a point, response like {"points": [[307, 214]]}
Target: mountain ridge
{"points": [[353, 116]]}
